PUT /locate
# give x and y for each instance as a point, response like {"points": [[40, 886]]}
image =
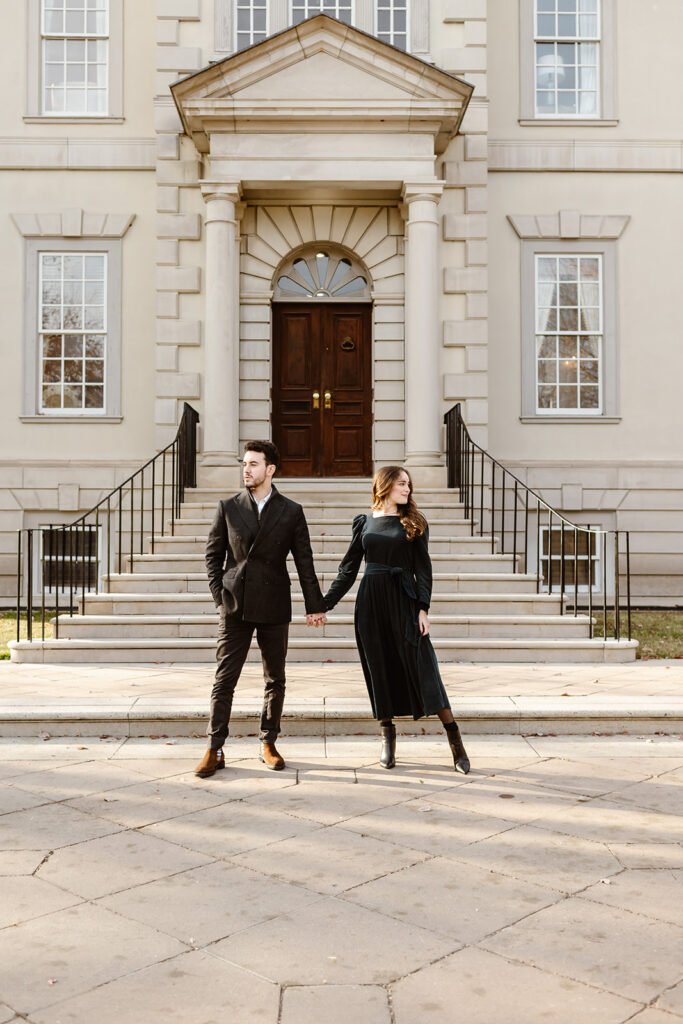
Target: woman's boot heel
{"points": [[461, 761], [387, 757]]}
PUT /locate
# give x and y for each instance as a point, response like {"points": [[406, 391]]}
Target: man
{"points": [[246, 553]]}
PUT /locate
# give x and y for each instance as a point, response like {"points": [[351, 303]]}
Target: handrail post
{"points": [[628, 581], [617, 623], [19, 582], [42, 583], [29, 586]]}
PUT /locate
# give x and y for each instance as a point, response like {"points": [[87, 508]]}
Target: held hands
{"points": [[423, 622], [316, 619]]}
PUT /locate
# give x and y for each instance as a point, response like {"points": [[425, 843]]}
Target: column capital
{"points": [[422, 191], [216, 190]]}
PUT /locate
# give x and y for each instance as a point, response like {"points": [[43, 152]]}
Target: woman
{"points": [[392, 625]]}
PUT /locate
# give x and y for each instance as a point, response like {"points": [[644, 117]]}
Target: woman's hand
{"points": [[423, 622]]}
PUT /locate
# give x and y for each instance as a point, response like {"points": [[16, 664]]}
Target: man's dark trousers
{"points": [[246, 562], [234, 638]]}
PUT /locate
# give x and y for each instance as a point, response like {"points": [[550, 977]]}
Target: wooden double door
{"points": [[322, 388]]}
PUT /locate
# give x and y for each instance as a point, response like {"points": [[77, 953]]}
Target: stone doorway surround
{"points": [[320, 131]]}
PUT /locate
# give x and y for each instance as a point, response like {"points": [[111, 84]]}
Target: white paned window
{"points": [[569, 333], [72, 331], [302, 9], [392, 22], [75, 56], [582, 558], [251, 23], [567, 58]]}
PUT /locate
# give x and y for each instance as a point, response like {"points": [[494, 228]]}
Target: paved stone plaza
{"points": [[543, 887]]}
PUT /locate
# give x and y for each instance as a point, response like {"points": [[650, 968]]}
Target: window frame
{"points": [[34, 65], [609, 383], [408, 28], [97, 562], [596, 560], [600, 334], [104, 332], [236, 31], [606, 113], [352, 12], [31, 403]]}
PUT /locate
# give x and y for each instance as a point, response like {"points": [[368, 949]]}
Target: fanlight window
{"points": [[321, 275]]}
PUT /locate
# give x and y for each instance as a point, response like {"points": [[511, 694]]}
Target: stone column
{"points": [[221, 326], [423, 426]]}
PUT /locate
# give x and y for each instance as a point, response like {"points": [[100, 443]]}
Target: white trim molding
{"points": [[34, 105], [81, 243], [568, 224], [76, 223], [607, 106], [614, 155], [607, 248]]}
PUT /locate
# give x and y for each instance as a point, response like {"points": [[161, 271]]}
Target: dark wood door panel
{"points": [[324, 350]]}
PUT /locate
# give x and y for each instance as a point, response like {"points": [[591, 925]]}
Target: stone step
{"points": [[199, 527], [340, 626], [507, 583], [345, 510], [324, 563], [309, 492], [325, 543], [325, 716], [202, 603], [202, 651]]}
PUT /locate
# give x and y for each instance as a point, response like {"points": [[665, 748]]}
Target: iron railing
{"points": [[81, 556], [568, 559]]}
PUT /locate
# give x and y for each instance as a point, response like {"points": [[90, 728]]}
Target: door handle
{"points": [[316, 399], [328, 400]]}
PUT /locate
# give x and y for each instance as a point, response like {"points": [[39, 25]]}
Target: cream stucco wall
{"points": [[650, 359]]}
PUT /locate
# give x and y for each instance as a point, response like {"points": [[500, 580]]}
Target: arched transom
{"points": [[322, 272]]}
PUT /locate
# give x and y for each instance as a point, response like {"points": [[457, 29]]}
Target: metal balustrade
{"points": [[568, 559], [80, 556]]}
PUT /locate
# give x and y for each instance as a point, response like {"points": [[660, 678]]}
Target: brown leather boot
{"points": [[212, 761], [270, 757]]}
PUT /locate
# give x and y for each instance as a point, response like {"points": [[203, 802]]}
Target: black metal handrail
{"points": [[70, 554], [498, 503]]}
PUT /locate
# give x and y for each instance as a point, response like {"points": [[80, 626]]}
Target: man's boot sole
{"points": [[207, 775], [272, 767]]}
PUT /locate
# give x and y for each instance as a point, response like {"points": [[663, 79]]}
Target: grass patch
{"points": [[660, 633], [8, 629]]}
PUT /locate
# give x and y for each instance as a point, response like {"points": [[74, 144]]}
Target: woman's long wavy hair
{"points": [[413, 521]]}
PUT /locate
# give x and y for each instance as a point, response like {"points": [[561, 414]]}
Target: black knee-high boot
{"points": [[460, 759], [387, 757]]}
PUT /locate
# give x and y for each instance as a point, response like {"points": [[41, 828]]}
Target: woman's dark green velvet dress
{"points": [[399, 664]]}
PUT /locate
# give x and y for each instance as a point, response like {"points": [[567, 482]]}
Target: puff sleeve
{"points": [[349, 566]]}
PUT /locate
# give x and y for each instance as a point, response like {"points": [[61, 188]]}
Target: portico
{"points": [[346, 156]]}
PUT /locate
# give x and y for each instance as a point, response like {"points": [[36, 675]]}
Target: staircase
{"points": [[160, 611]]}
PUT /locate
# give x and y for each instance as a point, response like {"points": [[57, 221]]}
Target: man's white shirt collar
{"points": [[260, 504]]}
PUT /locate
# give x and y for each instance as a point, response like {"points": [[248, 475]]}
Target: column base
{"points": [[216, 470], [426, 477]]}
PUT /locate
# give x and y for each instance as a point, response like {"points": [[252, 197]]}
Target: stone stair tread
{"points": [[324, 644], [142, 619]]}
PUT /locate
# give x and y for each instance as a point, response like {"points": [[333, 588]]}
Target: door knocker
{"points": [[348, 344]]}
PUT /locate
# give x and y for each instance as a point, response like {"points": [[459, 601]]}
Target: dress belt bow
{"points": [[402, 576]]}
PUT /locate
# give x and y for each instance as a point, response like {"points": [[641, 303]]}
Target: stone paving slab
{"points": [[544, 886], [324, 699]]}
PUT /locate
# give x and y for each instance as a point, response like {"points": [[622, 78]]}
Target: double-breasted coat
{"points": [[246, 559]]}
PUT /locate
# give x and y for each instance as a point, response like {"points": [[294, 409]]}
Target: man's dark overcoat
{"points": [[246, 559]]}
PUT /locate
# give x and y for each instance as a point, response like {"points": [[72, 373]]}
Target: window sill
{"points": [[71, 119], [71, 419], [567, 122], [570, 419]]}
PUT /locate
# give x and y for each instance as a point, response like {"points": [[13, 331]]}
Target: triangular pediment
{"points": [[317, 71]]}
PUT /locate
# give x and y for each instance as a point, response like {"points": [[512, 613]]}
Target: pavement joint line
{"points": [[553, 973]]}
